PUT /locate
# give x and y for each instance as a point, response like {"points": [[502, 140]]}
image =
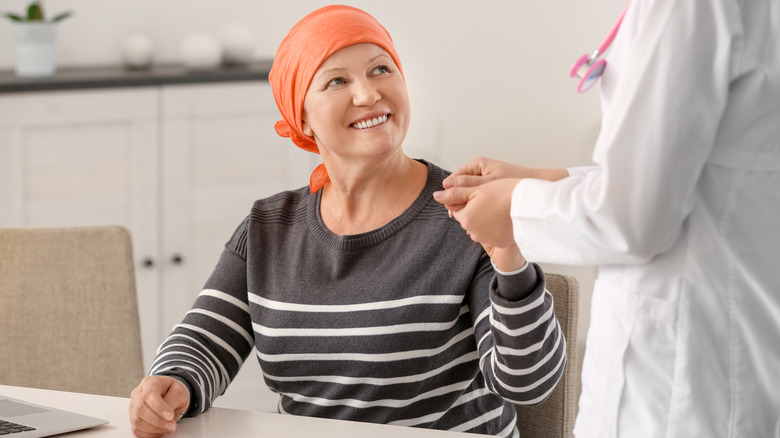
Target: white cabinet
{"points": [[178, 165], [85, 158]]}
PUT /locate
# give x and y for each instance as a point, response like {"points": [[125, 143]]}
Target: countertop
{"points": [[74, 78]]}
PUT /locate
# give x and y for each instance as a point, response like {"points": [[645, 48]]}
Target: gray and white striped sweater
{"points": [[408, 324]]}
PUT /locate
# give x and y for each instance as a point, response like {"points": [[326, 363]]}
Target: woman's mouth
{"points": [[370, 123]]}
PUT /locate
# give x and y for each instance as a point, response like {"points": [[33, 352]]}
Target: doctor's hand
{"points": [[483, 211], [156, 404], [481, 170]]}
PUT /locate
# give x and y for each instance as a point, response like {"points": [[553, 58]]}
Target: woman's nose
{"points": [[365, 94]]}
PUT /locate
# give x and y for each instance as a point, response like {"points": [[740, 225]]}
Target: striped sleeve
{"points": [[208, 347], [521, 347]]}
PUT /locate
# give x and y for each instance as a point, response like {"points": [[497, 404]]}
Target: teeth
{"points": [[370, 123]]}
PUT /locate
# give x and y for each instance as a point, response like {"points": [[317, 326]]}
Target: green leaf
{"points": [[34, 12], [61, 16], [14, 17]]}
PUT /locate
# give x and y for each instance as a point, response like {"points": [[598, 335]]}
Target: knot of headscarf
{"points": [[308, 44]]}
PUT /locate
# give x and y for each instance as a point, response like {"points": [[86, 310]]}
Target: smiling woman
{"points": [[357, 111], [359, 296]]}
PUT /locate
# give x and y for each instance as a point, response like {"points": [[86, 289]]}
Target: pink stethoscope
{"points": [[593, 66]]}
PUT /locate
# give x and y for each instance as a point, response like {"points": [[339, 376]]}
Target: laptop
{"points": [[27, 420]]}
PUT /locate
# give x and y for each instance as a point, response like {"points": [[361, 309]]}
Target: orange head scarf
{"points": [[308, 44]]}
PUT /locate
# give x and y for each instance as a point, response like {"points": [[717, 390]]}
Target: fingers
{"points": [[454, 196], [177, 397], [455, 208], [151, 415], [142, 429], [474, 167], [464, 181]]}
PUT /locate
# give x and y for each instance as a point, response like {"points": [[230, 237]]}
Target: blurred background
{"points": [[485, 78]]}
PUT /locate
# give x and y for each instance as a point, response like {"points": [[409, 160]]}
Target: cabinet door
{"points": [[220, 154], [85, 158]]}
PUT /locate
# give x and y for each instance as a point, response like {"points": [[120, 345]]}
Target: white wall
{"points": [[485, 77]]}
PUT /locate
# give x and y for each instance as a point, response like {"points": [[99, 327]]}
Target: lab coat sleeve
{"points": [[663, 95]]}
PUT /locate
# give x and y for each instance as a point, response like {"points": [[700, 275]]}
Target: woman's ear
{"points": [[306, 128]]}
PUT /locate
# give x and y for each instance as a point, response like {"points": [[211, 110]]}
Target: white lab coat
{"points": [[682, 215]]}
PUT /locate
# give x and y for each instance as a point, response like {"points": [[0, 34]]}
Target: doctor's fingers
{"points": [[465, 180], [478, 166], [492, 169], [454, 197], [475, 172]]}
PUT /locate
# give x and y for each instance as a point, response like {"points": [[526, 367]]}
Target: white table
{"points": [[217, 422]]}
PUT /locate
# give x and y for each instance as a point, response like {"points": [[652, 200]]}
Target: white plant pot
{"points": [[35, 49]]}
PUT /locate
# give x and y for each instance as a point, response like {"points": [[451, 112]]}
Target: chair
{"points": [[554, 418], [69, 311]]}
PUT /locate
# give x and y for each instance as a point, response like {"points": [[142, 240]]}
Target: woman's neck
{"points": [[365, 198]]}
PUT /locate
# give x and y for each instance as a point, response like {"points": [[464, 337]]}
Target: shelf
{"points": [[79, 78]]}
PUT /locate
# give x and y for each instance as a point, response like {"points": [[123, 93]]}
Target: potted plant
{"points": [[35, 40]]}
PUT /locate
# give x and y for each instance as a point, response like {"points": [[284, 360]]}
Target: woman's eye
{"points": [[381, 69], [335, 82]]}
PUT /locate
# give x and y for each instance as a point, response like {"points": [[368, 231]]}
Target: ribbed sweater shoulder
{"points": [[300, 208]]}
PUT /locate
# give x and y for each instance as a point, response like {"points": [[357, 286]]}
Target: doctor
{"points": [[682, 213]]}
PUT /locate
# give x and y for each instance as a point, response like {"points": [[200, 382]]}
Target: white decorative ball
{"points": [[200, 52], [138, 51], [238, 44]]}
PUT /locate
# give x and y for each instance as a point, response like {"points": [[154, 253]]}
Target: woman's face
{"points": [[357, 104]]}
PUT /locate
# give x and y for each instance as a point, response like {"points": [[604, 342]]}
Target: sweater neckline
{"points": [[373, 237]]}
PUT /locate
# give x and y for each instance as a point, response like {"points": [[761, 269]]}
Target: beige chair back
{"points": [[69, 311], [554, 418]]}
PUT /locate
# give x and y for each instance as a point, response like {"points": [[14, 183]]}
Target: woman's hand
{"points": [[506, 259], [156, 404], [483, 211]]}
